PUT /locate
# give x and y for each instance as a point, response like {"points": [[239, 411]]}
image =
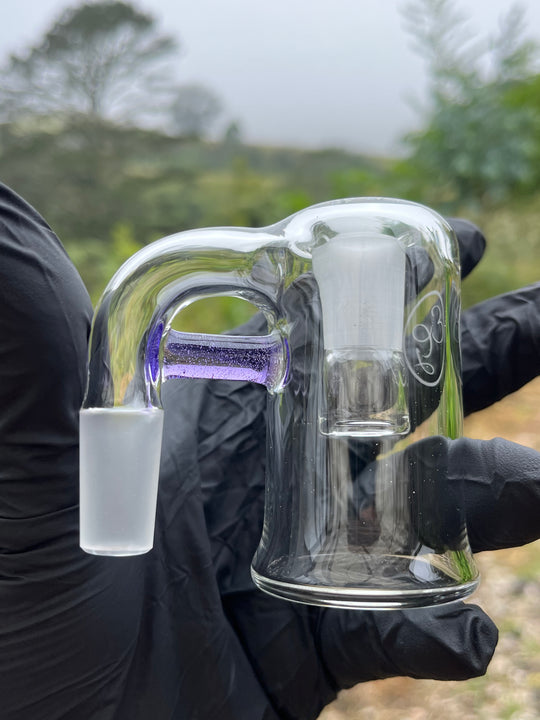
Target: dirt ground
{"points": [[509, 592]]}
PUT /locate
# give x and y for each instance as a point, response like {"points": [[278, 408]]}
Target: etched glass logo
{"points": [[425, 339]]}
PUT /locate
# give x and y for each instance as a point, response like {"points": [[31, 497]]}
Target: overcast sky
{"points": [[308, 73]]}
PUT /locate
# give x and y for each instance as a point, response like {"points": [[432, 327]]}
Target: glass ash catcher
{"points": [[361, 360]]}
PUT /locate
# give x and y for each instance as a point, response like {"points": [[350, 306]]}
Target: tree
{"points": [[475, 146], [102, 59], [232, 136], [194, 110]]}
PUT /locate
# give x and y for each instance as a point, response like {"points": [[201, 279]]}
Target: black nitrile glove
{"points": [[181, 633]]}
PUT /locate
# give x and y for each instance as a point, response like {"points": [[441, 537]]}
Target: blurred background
{"points": [[124, 122]]}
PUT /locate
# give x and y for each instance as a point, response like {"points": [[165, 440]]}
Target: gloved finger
{"points": [[448, 642], [419, 269], [501, 485], [471, 241], [500, 346]]}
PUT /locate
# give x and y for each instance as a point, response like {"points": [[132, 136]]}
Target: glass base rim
{"points": [[364, 429], [358, 598], [111, 551]]}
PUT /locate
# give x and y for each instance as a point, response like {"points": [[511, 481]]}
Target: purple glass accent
{"points": [[260, 359], [152, 352]]}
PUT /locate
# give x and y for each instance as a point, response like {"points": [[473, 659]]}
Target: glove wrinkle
{"points": [[232, 468], [279, 640], [501, 482]]}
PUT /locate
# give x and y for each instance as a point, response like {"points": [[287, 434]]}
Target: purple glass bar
{"points": [[260, 359]]}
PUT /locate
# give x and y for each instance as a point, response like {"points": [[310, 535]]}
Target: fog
{"points": [[305, 73]]}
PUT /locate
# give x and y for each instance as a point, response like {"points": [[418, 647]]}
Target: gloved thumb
{"points": [[455, 641]]}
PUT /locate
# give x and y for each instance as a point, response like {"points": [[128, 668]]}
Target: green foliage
{"points": [[137, 186], [104, 187], [524, 97], [512, 258], [108, 188], [477, 154], [476, 147], [194, 110], [98, 260], [214, 315], [360, 182]]}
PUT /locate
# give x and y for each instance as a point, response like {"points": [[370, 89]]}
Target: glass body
{"points": [[362, 365]]}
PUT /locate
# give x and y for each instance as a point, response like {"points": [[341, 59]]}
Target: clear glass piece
{"points": [[361, 359], [365, 393]]}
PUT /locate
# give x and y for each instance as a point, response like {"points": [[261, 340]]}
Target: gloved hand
{"points": [[181, 633]]}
